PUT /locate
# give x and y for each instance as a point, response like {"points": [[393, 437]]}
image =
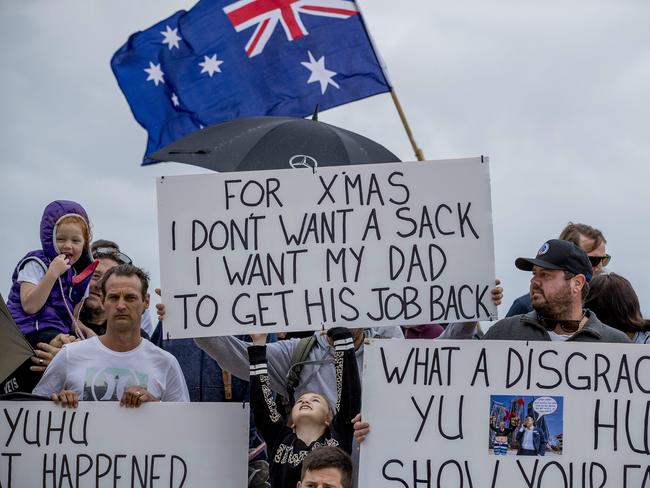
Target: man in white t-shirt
{"points": [[119, 365]]}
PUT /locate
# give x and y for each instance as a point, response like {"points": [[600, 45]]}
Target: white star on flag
{"points": [[320, 73], [155, 73], [211, 65], [175, 100], [171, 37]]}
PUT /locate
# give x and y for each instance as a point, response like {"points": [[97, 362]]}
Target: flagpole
{"points": [[418, 152]]}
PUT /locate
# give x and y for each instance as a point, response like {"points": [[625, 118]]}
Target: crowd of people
{"points": [[83, 306]]}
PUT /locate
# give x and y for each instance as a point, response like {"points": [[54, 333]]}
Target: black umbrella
{"points": [[14, 348], [273, 143]]}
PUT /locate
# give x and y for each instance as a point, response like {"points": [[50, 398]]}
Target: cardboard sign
{"points": [[357, 246], [563, 415], [170, 445]]}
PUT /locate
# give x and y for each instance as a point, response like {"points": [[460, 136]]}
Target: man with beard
{"points": [[92, 313], [558, 288], [590, 240]]}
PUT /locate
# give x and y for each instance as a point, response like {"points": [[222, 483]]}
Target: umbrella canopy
{"points": [[258, 143], [14, 348]]}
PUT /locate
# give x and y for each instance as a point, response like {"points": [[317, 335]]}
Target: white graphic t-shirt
{"points": [[98, 373]]}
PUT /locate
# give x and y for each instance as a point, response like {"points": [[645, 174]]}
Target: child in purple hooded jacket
{"points": [[50, 282]]}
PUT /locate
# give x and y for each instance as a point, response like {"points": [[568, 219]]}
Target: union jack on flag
{"points": [[266, 14], [223, 60]]}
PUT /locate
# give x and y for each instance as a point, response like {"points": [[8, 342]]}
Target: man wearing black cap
{"points": [[558, 288], [590, 240]]}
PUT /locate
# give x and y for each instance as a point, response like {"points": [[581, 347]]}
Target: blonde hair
{"points": [[330, 410]]}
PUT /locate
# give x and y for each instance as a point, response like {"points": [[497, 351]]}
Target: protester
{"points": [[109, 255], [326, 467], [119, 365], [531, 440], [616, 303], [92, 317], [92, 314], [311, 422], [558, 288], [45, 289], [590, 240], [311, 360]]}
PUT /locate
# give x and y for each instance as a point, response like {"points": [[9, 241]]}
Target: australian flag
{"points": [[223, 60]]}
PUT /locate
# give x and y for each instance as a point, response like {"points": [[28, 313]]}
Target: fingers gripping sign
{"points": [[134, 396], [160, 307], [496, 293], [66, 398], [361, 429]]}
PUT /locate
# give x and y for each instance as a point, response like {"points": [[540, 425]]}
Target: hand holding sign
{"points": [[66, 398], [136, 395]]}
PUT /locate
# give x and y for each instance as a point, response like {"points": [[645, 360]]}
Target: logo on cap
{"points": [[544, 249]]}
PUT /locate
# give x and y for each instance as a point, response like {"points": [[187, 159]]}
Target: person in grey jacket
{"points": [[318, 373], [558, 289]]}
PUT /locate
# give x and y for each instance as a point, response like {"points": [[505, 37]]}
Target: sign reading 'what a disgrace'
{"points": [[499, 414], [365, 245], [170, 445]]}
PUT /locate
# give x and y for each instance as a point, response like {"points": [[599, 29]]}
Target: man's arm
{"points": [[520, 306], [232, 355], [53, 380]]}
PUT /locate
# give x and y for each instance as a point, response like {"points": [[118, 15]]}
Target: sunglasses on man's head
{"points": [[596, 260], [111, 251]]}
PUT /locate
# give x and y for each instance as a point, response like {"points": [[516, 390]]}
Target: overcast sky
{"points": [[556, 93]]}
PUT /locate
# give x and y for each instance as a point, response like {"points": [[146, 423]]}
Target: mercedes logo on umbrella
{"points": [[303, 161], [260, 143]]}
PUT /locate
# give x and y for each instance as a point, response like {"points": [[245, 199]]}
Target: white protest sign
{"points": [[499, 414], [364, 245], [170, 445]]}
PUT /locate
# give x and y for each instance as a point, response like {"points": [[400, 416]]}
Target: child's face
{"points": [[311, 406], [70, 240]]}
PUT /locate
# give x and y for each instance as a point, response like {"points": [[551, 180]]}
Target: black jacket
{"points": [[286, 450]]}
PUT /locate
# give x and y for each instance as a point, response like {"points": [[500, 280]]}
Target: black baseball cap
{"points": [[558, 254]]}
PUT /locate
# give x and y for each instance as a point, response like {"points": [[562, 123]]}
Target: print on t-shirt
{"points": [[106, 384]]}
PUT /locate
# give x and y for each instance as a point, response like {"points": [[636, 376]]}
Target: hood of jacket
{"points": [[52, 215]]}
